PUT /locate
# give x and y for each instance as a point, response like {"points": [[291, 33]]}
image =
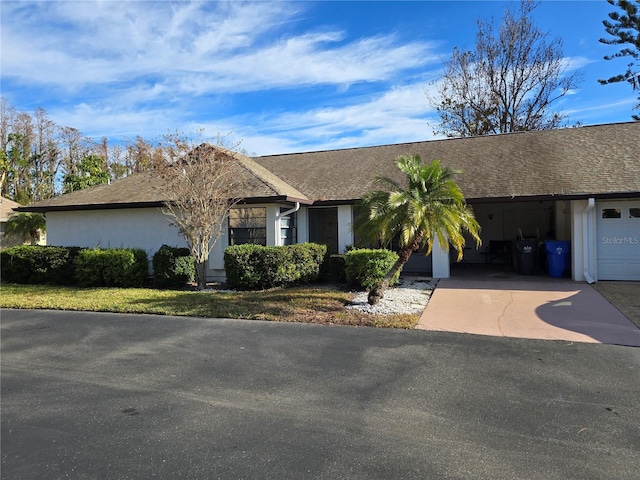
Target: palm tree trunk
{"points": [[377, 292]]}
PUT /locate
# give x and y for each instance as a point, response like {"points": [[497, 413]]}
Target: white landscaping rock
{"points": [[411, 295]]}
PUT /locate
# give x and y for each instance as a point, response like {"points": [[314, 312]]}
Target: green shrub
{"points": [[39, 264], [117, 267], [308, 257], [277, 267], [16, 264], [365, 268], [242, 266], [336, 267], [253, 267], [173, 267], [90, 265]]}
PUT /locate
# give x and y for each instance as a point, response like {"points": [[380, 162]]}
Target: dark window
{"points": [[248, 225], [611, 213], [634, 212], [288, 228], [323, 227], [360, 215]]}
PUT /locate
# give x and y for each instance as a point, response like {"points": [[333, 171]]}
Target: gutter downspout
{"points": [[284, 214], [586, 248]]}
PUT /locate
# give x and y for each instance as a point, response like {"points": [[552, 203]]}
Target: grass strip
{"points": [[315, 304]]}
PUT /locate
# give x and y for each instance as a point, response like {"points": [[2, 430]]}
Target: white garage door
{"points": [[618, 228]]}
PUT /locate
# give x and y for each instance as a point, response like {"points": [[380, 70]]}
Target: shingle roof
{"points": [[571, 162], [275, 186], [142, 189], [6, 208], [601, 160]]}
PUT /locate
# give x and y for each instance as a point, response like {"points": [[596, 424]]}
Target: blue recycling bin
{"points": [[558, 257]]}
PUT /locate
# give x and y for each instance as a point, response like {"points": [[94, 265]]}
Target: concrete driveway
{"points": [[527, 307], [105, 396]]}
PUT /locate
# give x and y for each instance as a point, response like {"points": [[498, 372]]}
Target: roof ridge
{"points": [[273, 181], [446, 139]]}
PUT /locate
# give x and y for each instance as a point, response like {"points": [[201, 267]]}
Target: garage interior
{"points": [[503, 224]]}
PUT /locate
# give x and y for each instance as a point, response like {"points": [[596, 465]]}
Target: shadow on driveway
{"points": [[533, 308]]}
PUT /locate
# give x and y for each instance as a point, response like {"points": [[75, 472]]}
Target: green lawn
{"points": [[315, 304]]}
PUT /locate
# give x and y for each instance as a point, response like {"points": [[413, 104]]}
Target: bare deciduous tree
{"points": [[200, 183], [7, 113], [76, 146], [507, 83], [46, 157]]}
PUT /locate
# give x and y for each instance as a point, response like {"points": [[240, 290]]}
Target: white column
{"points": [[345, 234], [440, 261], [583, 241], [303, 225], [273, 225]]}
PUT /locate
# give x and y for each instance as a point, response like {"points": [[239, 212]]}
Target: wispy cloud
{"points": [[281, 76], [139, 68], [195, 47], [401, 114]]}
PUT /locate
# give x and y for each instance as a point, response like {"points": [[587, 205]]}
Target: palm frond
{"points": [[429, 206]]}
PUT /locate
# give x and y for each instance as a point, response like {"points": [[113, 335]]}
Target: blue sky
{"points": [[278, 76]]}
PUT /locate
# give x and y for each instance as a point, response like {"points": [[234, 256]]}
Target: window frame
{"points": [[289, 233], [254, 230]]}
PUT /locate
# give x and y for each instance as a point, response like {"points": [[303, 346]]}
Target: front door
{"points": [[323, 227]]}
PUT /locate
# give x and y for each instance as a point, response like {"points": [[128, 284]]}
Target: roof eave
{"points": [[155, 204], [559, 196], [89, 206], [281, 198]]}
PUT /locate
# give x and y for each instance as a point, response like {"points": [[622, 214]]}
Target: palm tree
{"points": [[26, 225], [430, 206]]}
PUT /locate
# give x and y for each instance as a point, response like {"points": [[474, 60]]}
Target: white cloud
{"points": [[576, 63], [140, 68], [194, 47], [116, 124], [400, 115]]}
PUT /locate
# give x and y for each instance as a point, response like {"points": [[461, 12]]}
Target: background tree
{"points": [[26, 225], [625, 29], [7, 112], [37, 156], [199, 183], [75, 147], [507, 83], [46, 158], [429, 206], [19, 155], [89, 172]]}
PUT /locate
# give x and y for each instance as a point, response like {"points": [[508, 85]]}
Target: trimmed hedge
{"points": [[116, 267], [309, 258], [335, 267], [173, 267], [365, 268], [254, 267], [242, 266], [38, 264]]}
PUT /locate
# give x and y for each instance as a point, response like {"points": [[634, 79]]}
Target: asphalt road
{"points": [[88, 395]]}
